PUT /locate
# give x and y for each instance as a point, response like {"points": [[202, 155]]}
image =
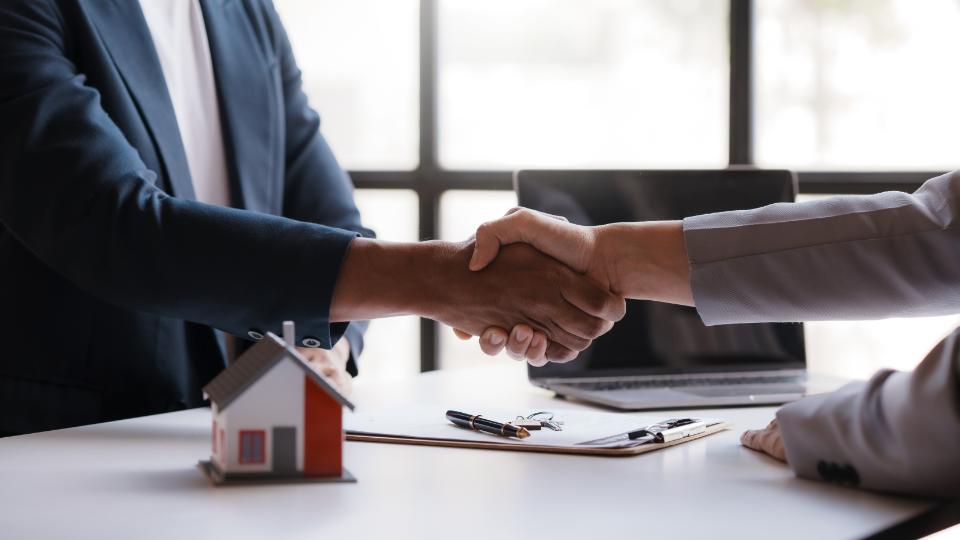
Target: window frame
{"points": [[429, 180]]}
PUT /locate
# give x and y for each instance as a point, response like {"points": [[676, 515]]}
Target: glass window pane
{"points": [[392, 213], [857, 349], [566, 83], [391, 346], [857, 85], [461, 212], [360, 63]]}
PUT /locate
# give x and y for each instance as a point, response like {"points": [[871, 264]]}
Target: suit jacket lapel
{"points": [[249, 97], [125, 34]]}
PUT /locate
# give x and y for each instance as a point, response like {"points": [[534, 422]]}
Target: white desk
{"points": [[137, 479]]}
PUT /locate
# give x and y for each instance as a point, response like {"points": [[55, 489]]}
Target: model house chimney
{"points": [[289, 333]]}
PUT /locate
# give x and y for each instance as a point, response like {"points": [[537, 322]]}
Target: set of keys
{"points": [[538, 420]]}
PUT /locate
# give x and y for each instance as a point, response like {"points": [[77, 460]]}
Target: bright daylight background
{"points": [[857, 84]]}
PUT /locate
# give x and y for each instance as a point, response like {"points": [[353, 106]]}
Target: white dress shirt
{"points": [[180, 38]]}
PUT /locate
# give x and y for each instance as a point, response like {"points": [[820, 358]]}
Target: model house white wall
{"points": [[275, 399], [219, 444]]}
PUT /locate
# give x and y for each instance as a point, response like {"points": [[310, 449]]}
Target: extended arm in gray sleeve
{"points": [[855, 257], [899, 431], [852, 257]]}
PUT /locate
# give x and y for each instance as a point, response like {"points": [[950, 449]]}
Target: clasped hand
{"points": [[585, 311], [644, 261]]}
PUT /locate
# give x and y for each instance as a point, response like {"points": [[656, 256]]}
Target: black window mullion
{"points": [[429, 181], [741, 82]]}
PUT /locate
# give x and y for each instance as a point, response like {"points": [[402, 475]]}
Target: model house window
{"points": [[223, 444], [213, 435], [251, 446]]}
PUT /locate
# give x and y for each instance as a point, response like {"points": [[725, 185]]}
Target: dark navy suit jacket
{"points": [[112, 277]]}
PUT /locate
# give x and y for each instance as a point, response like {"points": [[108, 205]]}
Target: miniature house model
{"points": [[275, 418]]}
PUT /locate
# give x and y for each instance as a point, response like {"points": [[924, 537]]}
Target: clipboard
{"points": [[422, 426]]}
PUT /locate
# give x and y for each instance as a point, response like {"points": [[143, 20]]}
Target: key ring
{"points": [[546, 419]]}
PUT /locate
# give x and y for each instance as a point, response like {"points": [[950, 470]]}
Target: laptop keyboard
{"points": [[633, 384]]}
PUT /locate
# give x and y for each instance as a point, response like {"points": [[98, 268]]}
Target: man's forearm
{"points": [[433, 280], [384, 279], [893, 433], [646, 260]]}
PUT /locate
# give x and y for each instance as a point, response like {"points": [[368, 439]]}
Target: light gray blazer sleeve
{"points": [[856, 257], [852, 257], [898, 432]]}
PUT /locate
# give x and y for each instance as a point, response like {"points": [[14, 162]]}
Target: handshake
{"points": [[529, 282]]}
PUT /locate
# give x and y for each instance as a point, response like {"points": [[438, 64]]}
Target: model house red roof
{"points": [[246, 370]]}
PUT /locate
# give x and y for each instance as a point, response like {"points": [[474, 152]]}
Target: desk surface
{"points": [[137, 479]]}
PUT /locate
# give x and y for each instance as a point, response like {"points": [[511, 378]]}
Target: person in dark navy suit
{"points": [[152, 198]]}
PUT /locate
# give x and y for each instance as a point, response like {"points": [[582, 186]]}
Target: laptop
{"points": [[662, 355]]}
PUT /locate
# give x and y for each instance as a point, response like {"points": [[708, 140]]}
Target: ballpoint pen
{"points": [[478, 423]]}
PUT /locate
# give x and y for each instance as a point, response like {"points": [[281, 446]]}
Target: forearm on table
{"points": [[894, 433]]}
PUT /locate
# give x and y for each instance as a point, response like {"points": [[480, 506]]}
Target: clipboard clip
{"points": [[661, 432], [669, 430]]}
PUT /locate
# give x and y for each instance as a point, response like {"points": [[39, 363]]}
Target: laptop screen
{"points": [[655, 338]]}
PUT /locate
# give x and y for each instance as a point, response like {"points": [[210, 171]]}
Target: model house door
{"points": [[284, 450]]}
